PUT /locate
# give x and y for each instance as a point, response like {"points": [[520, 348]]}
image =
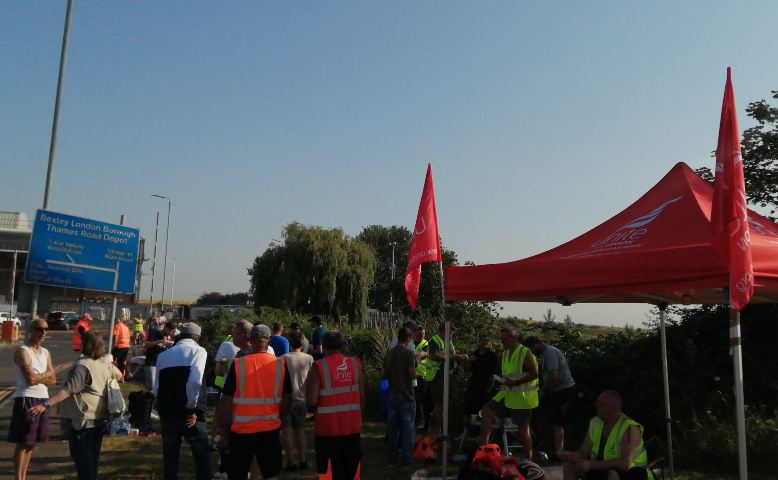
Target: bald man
{"points": [[34, 374], [613, 448]]}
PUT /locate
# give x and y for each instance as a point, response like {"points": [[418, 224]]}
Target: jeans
{"points": [[197, 437], [150, 374], [85, 451], [400, 427]]}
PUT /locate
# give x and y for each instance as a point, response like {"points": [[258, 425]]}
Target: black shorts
{"points": [[265, 446], [634, 473], [519, 416], [343, 453], [25, 430], [559, 403]]}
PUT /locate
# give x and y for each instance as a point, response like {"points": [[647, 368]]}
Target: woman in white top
{"points": [[34, 372]]}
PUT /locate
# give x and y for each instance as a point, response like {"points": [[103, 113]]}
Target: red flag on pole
{"points": [[425, 246], [729, 215]]}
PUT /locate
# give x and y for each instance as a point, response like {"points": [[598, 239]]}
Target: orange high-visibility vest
{"points": [[338, 411], [121, 335], [259, 389], [77, 336]]}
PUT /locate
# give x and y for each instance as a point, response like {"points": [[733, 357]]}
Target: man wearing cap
{"points": [[257, 391], [181, 402], [81, 327]]}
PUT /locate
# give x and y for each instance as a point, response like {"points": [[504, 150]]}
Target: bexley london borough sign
{"points": [[74, 252]]}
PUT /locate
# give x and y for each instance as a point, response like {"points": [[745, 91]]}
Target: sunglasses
{"points": [[39, 329]]}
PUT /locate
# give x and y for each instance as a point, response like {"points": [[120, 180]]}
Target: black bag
{"points": [[139, 409]]}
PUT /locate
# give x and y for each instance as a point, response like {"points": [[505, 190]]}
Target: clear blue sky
{"points": [[541, 119]]}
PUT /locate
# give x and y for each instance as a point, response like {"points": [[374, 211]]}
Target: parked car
{"points": [[4, 316], [62, 320]]}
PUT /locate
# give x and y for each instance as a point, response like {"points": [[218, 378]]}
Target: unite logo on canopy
{"points": [[630, 234]]}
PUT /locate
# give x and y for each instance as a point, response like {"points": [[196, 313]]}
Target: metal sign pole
{"points": [[115, 300]]}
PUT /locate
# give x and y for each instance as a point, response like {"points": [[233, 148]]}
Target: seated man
{"points": [[613, 449]]}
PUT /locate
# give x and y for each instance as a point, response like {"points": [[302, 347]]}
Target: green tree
{"points": [[216, 298], [760, 155], [210, 298], [314, 270], [384, 290]]}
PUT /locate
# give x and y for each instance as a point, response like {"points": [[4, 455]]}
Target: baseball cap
{"points": [[191, 328], [294, 325], [261, 331]]}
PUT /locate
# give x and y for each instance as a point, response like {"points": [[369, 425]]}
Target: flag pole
{"points": [[446, 368], [737, 363]]}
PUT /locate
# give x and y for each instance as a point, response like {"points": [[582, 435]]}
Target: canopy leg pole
{"points": [[446, 369], [666, 380], [737, 363]]}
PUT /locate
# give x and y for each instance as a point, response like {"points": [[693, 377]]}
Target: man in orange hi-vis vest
{"points": [[81, 327], [336, 394], [257, 391]]}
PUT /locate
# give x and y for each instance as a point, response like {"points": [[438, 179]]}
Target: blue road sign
{"points": [[75, 252]]}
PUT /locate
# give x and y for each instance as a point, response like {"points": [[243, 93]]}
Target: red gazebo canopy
{"points": [[657, 250]]}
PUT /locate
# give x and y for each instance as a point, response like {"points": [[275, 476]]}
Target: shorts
{"points": [[344, 453], [634, 473], [559, 403], [519, 416], [265, 446], [28, 431], [295, 417]]}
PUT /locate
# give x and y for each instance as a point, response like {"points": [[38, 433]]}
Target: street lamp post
{"points": [[173, 285], [167, 235], [391, 285], [153, 267]]}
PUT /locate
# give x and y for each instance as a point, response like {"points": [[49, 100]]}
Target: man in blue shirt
{"points": [[318, 333], [558, 389], [279, 343]]}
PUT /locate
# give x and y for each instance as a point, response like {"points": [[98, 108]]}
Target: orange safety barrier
{"points": [[328, 475], [9, 331]]}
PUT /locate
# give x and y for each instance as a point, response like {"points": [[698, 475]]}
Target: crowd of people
{"points": [[270, 383], [507, 385]]}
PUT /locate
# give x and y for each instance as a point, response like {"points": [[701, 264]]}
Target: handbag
{"points": [[114, 397]]}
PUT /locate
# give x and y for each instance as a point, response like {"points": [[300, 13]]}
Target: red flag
{"points": [[425, 246], [729, 215]]}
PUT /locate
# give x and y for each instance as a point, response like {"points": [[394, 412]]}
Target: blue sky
{"points": [[541, 119]]}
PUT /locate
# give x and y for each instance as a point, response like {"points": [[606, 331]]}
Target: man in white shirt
{"points": [[181, 403]]}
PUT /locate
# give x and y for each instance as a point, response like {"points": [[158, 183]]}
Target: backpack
{"points": [[140, 407], [114, 396]]}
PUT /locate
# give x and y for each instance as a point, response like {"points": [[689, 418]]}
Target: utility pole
{"points": [[53, 141]]}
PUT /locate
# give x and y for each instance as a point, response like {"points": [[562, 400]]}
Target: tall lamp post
{"points": [[391, 286], [167, 235], [153, 267]]}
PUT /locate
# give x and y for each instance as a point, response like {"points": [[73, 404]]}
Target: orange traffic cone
{"points": [[328, 475]]}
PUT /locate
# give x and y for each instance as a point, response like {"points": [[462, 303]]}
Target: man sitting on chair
{"points": [[613, 448], [518, 394]]}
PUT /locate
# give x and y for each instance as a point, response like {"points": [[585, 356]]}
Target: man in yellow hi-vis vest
{"points": [[518, 394], [613, 448]]}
